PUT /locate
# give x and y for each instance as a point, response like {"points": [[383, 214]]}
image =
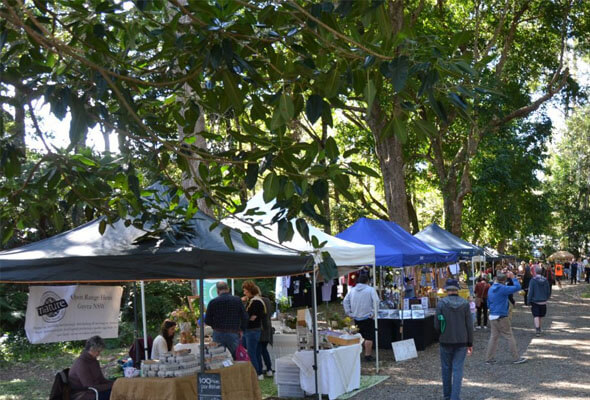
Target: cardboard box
{"points": [[301, 317], [342, 342]]}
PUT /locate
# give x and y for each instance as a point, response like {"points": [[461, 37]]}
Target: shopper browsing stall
{"points": [[256, 314], [163, 342], [228, 318], [359, 304]]}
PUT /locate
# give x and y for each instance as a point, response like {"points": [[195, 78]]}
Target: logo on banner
{"points": [[52, 308]]}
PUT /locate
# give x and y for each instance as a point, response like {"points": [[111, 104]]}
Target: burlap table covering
{"points": [[238, 382]]}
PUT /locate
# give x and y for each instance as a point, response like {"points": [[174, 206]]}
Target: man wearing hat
{"points": [[499, 321], [454, 322]]}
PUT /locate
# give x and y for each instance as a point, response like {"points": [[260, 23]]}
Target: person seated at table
{"points": [[86, 372], [163, 342], [256, 310]]}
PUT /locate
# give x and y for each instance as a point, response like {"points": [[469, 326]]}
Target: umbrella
{"points": [[561, 255]]}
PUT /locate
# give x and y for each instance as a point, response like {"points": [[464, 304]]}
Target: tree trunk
{"points": [[413, 217], [390, 154]]}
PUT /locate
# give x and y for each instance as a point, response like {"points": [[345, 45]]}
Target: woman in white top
{"points": [[163, 342]]}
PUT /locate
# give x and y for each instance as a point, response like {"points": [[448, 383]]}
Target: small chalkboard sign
{"points": [[208, 386]]}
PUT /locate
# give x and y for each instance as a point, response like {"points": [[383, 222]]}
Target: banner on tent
{"points": [[64, 313]]}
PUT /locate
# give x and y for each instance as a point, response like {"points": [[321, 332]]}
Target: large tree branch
{"points": [[494, 38], [516, 20], [526, 110]]}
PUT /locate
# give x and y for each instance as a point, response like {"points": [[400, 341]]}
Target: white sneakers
{"points": [[260, 377], [269, 373]]}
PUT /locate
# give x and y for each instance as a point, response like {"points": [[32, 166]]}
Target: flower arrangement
{"points": [[186, 317]]}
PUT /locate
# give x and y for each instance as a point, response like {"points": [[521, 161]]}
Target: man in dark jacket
{"points": [[454, 322], [539, 293], [228, 318]]}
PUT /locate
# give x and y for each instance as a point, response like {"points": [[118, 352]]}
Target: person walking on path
{"points": [[454, 322], [359, 304], [499, 321], [481, 302], [526, 279], [587, 270], [539, 292], [574, 272]]}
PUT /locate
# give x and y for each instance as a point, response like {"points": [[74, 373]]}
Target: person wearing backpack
{"points": [[539, 293]]}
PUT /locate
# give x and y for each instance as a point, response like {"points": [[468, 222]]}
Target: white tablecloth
{"points": [[339, 370]]}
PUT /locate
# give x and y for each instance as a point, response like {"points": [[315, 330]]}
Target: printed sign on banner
{"points": [[64, 313], [208, 386]]}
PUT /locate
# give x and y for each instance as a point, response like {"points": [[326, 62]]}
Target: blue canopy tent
{"points": [[436, 236], [394, 247]]}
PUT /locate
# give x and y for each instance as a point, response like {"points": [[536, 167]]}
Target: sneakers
{"points": [[485, 327], [260, 377], [490, 362], [269, 373], [537, 332], [478, 327], [521, 360]]}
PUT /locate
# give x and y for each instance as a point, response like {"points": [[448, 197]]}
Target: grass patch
{"points": [[586, 295], [268, 388], [21, 389]]}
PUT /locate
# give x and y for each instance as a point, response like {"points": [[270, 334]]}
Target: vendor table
{"points": [[421, 330], [237, 382], [339, 370]]}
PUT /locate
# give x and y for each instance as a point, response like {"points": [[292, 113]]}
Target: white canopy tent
{"points": [[344, 253]]}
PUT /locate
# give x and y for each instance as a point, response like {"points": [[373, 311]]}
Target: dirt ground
{"points": [[558, 364]]}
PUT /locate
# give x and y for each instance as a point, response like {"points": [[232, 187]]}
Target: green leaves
{"points": [[286, 107], [271, 187], [314, 108], [250, 240], [396, 71], [285, 230], [231, 90], [370, 92]]}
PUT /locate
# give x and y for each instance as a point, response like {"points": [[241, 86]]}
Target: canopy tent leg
{"points": [[315, 330], [145, 338], [376, 307], [233, 288], [202, 324], [135, 329]]}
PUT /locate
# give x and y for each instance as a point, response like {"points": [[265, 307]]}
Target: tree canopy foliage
{"points": [[336, 109]]}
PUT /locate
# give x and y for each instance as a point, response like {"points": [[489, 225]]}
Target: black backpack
{"points": [[61, 386]]}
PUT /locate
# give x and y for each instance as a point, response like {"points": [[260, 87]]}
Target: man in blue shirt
{"points": [[499, 321]]}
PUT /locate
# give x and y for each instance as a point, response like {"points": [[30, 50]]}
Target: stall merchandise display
{"points": [[170, 365]]}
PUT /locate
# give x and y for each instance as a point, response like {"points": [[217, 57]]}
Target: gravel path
{"points": [[558, 364]]}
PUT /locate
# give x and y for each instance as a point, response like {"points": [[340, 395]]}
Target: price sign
{"points": [[208, 386]]}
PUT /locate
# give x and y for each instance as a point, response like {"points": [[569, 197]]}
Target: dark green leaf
{"points": [[286, 107], [251, 175], [314, 108], [285, 231], [226, 234], [331, 148], [133, 183], [250, 240], [271, 187], [302, 228], [320, 188], [364, 170], [102, 226]]}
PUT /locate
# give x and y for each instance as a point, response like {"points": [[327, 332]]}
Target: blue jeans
{"points": [[251, 339], [227, 339], [263, 354], [451, 361]]}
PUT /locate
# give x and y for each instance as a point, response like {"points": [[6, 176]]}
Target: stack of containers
{"points": [[287, 378]]}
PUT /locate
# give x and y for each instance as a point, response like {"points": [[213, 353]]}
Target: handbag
{"points": [[242, 353], [478, 301]]}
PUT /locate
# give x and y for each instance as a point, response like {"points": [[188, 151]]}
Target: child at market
{"points": [[472, 308]]}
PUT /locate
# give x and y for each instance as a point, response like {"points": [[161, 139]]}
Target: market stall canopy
{"points": [[561, 255], [394, 247], [343, 252], [436, 236], [84, 255], [493, 254]]}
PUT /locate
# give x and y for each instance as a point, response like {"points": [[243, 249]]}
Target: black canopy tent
{"points": [[125, 253], [84, 255]]}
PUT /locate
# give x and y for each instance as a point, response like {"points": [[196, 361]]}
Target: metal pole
{"points": [[315, 330], [135, 330], [376, 307], [145, 338], [233, 289], [202, 324]]}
